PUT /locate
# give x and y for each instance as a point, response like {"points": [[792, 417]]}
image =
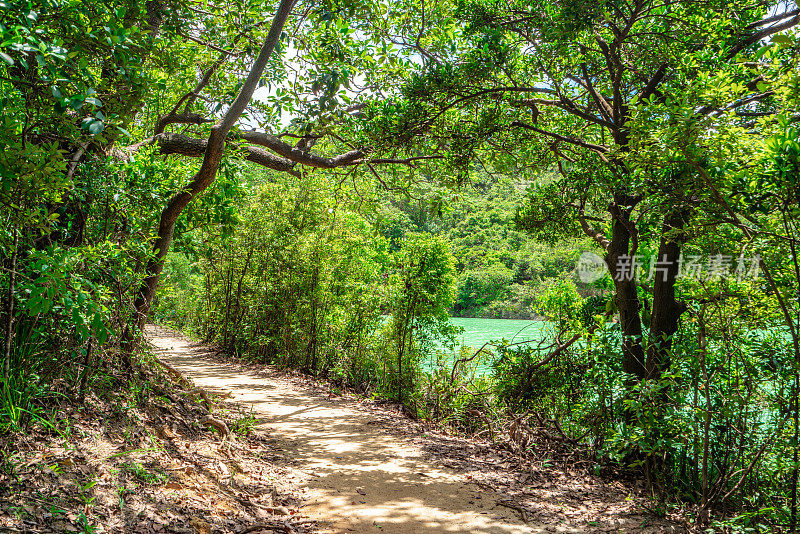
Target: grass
{"points": [[245, 423], [142, 474], [17, 404]]}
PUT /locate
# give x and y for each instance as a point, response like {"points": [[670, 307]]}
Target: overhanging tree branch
{"points": [[790, 19], [212, 156], [567, 139], [297, 155]]}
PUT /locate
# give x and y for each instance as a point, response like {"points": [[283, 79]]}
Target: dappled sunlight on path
{"points": [[361, 477]]}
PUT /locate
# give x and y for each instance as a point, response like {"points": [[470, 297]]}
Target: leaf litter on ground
{"points": [[150, 465]]}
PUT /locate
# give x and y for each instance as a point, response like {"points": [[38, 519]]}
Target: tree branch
{"points": [[300, 156], [191, 96], [170, 143], [766, 32], [183, 118], [651, 87], [567, 139]]}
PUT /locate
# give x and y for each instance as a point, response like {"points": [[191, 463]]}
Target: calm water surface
{"points": [[480, 331]]}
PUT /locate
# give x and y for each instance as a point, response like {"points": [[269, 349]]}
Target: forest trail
{"points": [[360, 478]]}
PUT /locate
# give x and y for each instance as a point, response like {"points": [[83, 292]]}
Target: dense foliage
{"points": [[320, 185]]}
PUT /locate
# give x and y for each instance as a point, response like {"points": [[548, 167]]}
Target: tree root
{"points": [[204, 396], [216, 423], [175, 373], [277, 526], [192, 389], [523, 512]]}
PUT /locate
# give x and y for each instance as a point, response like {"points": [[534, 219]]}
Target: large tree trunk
{"points": [[204, 177], [666, 309], [627, 300], [166, 229]]}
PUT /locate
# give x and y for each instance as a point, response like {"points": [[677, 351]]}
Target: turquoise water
{"points": [[479, 331]]}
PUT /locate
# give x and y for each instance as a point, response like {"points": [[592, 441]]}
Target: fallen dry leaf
{"points": [[200, 526]]}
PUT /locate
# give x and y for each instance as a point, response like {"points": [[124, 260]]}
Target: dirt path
{"points": [[361, 478]]}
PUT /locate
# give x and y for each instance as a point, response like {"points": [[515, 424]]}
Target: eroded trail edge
{"points": [[360, 476]]}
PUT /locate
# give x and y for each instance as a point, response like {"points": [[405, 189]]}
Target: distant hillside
{"points": [[500, 267]]}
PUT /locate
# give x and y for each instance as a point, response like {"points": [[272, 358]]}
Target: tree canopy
{"points": [[322, 184]]}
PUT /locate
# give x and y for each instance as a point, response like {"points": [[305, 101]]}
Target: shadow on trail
{"points": [[362, 476]]}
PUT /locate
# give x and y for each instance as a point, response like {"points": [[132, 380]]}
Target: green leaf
{"points": [[92, 125], [8, 59], [96, 127], [761, 51], [783, 40]]}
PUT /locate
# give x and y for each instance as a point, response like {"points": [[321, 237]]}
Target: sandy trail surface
{"points": [[361, 476]]}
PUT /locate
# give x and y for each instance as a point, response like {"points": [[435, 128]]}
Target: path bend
{"points": [[361, 478]]}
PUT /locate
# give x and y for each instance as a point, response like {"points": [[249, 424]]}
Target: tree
{"points": [[561, 86], [423, 292], [212, 156], [325, 70]]}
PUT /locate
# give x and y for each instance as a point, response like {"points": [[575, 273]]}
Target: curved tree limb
{"points": [[189, 98], [567, 139], [170, 143], [212, 156], [297, 155], [182, 118]]}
